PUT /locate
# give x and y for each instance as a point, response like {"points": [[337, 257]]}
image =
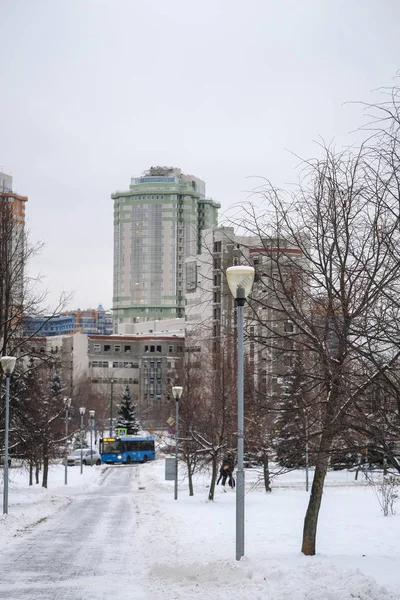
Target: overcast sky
{"points": [[96, 91]]}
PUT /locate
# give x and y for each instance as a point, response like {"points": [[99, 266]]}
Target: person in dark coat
{"points": [[226, 471]]}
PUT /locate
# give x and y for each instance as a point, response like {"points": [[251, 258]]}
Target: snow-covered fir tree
{"points": [[291, 423], [127, 414]]}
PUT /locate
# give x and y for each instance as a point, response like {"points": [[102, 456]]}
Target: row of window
{"points": [[149, 197], [104, 364], [107, 348], [127, 348], [124, 380]]}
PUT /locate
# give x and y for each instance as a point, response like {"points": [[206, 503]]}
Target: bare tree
{"points": [[341, 295], [189, 407]]}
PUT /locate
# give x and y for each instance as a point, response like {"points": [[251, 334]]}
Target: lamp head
{"points": [[82, 410], [67, 402], [177, 392], [8, 364], [91, 413], [240, 280]]}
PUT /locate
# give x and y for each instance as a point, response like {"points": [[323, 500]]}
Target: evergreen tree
{"points": [[295, 423], [127, 414]]}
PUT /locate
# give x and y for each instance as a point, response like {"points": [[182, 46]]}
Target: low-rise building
{"points": [[90, 321], [148, 364]]}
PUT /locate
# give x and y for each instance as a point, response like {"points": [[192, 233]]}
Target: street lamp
{"points": [[177, 393], [82, 411], [240, 281], [91, 423], [67, 404], [111, 408], [7, 364]]}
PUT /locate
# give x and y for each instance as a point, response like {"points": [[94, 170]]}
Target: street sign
{"points": [[121, 431], [170, 421], [170, 469]]}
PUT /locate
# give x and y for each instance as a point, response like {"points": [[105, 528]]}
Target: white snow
{"points": [[186, 547]]}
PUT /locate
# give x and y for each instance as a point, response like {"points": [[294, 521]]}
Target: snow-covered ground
{"points": [[186, 547]]}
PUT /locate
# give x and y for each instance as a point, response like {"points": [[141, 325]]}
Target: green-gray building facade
{"points": [[157, 225]]}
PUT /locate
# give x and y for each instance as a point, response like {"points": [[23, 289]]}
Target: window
{"points": [[107, 347], [217, 279], [96, 347], [127, 365], [146, 348], [127, 348], [152, 348], [288, 327], [288, 360], [191, 276], [117, 348], [170, 349], [217, 296], [159, 349]]}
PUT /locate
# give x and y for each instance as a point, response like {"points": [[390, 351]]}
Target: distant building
{"points": [[12, 260], [91, 321], [157, 224], [16, 201]]}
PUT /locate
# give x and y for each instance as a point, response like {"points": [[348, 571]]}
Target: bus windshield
{"points": [[111, 446]]}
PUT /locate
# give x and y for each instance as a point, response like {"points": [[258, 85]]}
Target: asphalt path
{"points": [[84, 551]]}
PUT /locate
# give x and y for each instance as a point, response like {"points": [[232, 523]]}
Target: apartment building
{"points": [[158, 223], [12, 260], [16, 201], [210, 307]]}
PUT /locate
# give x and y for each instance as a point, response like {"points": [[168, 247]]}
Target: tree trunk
{"points": [[45, 470], [267, 480], [30, 472], [314, 504], [37, 471], [190, 477], [213, 478]]}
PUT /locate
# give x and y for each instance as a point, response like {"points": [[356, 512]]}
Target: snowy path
{"points": [[74, 554]]}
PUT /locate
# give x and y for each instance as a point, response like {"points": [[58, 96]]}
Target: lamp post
{"points": [[91, 423], [82, 411], [177, 393], [67, 404], [240, 281], [111, 408], [7, 364]]}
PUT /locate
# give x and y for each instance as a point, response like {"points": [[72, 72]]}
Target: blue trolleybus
{"points": [[127, 449]]}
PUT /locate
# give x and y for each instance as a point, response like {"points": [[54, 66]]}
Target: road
{"points": [[85, 551]]}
